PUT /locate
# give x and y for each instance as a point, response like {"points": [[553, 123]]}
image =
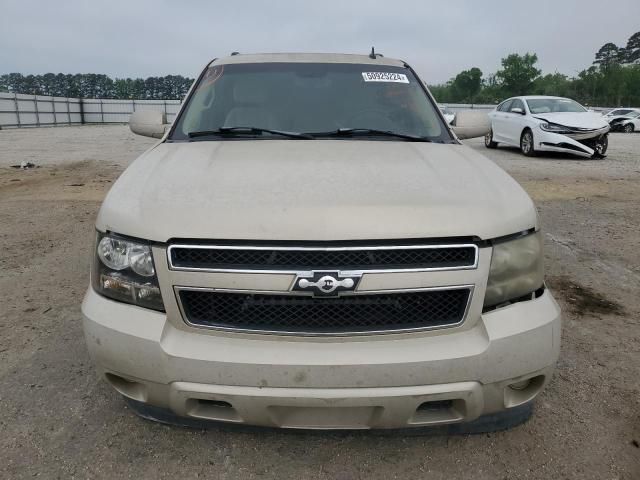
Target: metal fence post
{"points": [[81, 103], [15, 102], [35, 102], [53, 108], [68, 112], [101, 112]]}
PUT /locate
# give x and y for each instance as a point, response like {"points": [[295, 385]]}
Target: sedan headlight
{"points": [[554, 128], [516, 270], [123, 270]]}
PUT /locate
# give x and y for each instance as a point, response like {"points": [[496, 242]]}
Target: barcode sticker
{"points": [[385, 77]]}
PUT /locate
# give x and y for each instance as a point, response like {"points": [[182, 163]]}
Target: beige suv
{"points": [[309, 245]]}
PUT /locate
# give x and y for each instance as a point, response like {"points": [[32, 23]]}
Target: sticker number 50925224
{"points": [[385, 77]]}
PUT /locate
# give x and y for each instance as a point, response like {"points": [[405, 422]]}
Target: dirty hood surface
{"points": [[587, 120], [314, 190]]}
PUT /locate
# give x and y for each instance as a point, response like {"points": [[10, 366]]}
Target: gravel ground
{"points": [[58, 420]]}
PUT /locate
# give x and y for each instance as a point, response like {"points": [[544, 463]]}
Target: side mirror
{"points": [[471, 124], [517, 110], [149, 123]]}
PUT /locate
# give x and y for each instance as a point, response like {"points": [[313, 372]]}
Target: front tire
{"points": [[488, 140], [628, 128], [526, 143], [600, 146]]}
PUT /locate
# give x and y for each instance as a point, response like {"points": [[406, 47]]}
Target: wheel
{"points": [[600, 146], [488, 140], [628, 128], [526, 143]]}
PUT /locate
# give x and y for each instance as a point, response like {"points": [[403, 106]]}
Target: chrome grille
{"points": [[281, 258]]}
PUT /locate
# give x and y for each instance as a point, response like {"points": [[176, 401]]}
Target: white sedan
{"points": [[552, 124], [624, 120], [619, 112]]}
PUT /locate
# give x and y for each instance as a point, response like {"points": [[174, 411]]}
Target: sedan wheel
{"points": [[526, 143], [488, 140], [600, 146], [628, 128]]}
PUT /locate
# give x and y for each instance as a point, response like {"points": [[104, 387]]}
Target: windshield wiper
{"points": [[249, 131], [347, 132]]}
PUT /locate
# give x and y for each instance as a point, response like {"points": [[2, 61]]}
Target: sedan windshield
{"points": [[619, 112], [325, 100], [551, 105]]}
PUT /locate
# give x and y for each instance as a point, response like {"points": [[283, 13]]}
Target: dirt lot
{"points": [[58, 420]]}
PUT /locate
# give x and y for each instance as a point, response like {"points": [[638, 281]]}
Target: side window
{"points": [[505, 106], [517, 103]]}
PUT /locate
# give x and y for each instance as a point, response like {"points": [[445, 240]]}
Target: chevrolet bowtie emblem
{"points": [[325, 283]]}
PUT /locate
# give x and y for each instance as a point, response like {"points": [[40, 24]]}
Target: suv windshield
{"points": [[321, 99], [549, 105]]}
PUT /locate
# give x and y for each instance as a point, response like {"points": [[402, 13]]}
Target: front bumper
{"points": [[571, 143], [618, 126], [388, 381]]}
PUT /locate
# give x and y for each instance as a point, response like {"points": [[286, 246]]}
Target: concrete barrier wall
{"points": [[456, 107], [19, 110]]}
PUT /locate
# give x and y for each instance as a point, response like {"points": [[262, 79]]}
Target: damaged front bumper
{"points": [[583, 143], [618, 125]]}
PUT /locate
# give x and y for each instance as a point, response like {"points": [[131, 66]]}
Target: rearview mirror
{"points": [[471, 124], [149, 123]]}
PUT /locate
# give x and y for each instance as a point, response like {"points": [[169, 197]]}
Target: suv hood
{"points": [[583, 120], [314, 190]]}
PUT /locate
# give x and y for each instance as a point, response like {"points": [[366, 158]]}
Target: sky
{"points": [[140, 38]]}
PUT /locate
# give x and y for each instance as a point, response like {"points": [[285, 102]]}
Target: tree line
{"points": [[612, 80], [91, 85]]}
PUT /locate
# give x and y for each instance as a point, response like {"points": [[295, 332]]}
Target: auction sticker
{"points": [[385, 77]]}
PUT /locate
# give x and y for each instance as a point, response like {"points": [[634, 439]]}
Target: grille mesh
{"points": [[304, 314], [212, 258]]}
